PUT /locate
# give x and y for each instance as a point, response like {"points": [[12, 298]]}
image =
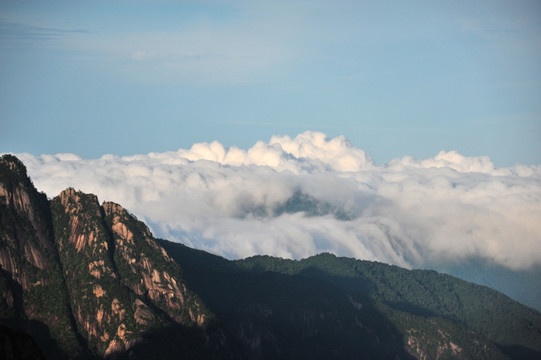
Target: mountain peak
{"points": [[68, 193], [13, 175], [13, 164], [72, 196], [112, 208]]}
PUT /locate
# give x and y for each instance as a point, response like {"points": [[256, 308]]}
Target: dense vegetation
{"points": [[420, 292], [432, 315]]}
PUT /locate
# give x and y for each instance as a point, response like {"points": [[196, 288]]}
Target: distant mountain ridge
{"points": [[89, 281], [437, 315]]}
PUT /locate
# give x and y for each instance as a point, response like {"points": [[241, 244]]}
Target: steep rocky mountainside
{"points": [[89, 281], [34, 296]]}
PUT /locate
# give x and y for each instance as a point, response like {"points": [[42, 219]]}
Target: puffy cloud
{"points": [[453, 160], [294, 197], [337, 153]]}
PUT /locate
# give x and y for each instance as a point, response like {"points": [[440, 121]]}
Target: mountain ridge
{"points": [[90, 281], [378, 284]]}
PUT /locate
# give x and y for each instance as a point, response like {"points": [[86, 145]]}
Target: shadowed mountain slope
{"points": [[427, 314]]}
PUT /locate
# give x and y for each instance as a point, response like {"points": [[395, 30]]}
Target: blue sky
{"points": [[395, 78]]}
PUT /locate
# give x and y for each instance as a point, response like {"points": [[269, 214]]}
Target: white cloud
{"points": [[336, 153], [294, 197]]}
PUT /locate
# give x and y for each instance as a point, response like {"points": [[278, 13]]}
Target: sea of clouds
{"points": [[295, 197]]}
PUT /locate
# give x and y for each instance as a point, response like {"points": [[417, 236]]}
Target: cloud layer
{"points": [[295, 197]]}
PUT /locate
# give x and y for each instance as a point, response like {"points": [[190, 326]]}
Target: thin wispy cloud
{"points": [[295, 197], [499, 29], [205, 54], [17, 32]]}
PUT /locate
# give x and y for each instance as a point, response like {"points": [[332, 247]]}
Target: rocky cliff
{"points": [[33, 294], [90, 275]]}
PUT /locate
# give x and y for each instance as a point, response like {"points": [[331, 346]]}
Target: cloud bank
{"points": [[295, 197]]}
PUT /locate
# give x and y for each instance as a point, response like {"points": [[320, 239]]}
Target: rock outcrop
{"points": [[147, 270], [34, 297], [101, 305], [111, 281]]}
